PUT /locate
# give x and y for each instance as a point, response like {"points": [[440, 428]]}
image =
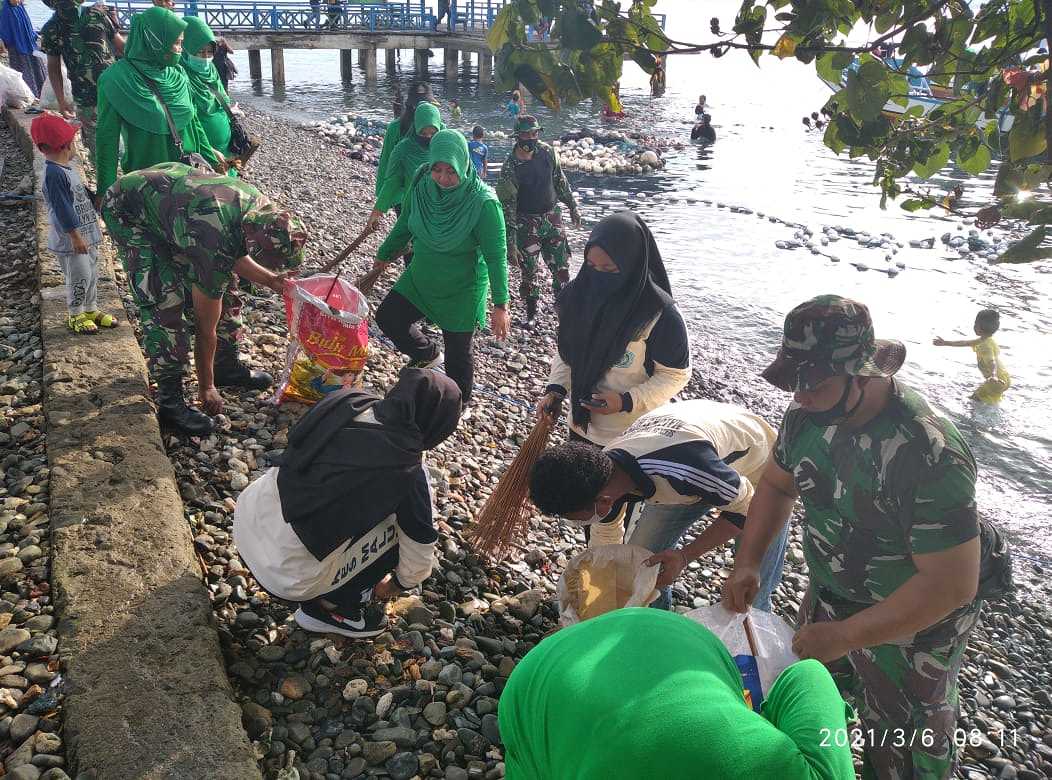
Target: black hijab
{"points": [[340, 477], [600, 313], [418, 93]]}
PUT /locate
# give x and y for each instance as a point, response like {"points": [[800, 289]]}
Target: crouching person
{"points": [[345, 520]]}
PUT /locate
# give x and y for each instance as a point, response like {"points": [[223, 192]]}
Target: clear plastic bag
{"points": [[47, 94], [605, 578], [772, 636], [14, 91]]}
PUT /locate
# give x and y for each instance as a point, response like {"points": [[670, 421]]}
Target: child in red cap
{"points": [[74, 235]]}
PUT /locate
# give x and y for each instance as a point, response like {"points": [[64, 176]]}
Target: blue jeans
{"points": [[661, 526]]}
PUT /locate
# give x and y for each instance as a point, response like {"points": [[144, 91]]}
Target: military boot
{"points": [[531, 314], [229, 371], [173, 411]]}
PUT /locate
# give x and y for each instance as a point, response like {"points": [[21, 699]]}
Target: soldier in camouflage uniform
{"points": [[891, 535], [87, 41], [530, 188], [184, 238]]}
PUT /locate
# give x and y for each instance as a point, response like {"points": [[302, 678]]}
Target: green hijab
{"points": [[443, 218], [409, 153], [203, 77], [147, 54]]}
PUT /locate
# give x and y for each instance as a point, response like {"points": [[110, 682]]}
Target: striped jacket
{"points": [[696, 452]]}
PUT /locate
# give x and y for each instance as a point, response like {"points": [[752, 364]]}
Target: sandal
{"points": [[102, 319], [83, 323]]}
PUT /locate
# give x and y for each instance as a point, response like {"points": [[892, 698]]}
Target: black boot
{"points": [[531, 314], [173, 411], [229, 371]]}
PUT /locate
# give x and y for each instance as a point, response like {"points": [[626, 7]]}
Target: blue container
{"points": [[750, 679]]}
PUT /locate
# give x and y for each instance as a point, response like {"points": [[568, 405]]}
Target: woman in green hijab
{"points": [[398, 129], [410, 153], [457, 228], [206, 90], [128, 108], [645, 693]]}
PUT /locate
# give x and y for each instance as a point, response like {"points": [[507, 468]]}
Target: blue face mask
{"points": [[424, 140]]}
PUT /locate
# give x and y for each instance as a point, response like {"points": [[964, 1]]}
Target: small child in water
{"points": [[454, 110], [479, 151], [988, 356], [74, 234]]}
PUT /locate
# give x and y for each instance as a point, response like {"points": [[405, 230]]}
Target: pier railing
{"points": [[468, 16]]}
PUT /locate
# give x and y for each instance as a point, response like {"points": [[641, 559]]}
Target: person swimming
{"points": [[703, 131]]}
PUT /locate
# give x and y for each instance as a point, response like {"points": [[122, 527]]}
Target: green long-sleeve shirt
{"points": [[450, 287], [644, 693], [141, 148], [392, 136], [508, 188]]}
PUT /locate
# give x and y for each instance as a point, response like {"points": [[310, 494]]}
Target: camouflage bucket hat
{"points": [[527, 123], [831, 336], [274, 238]]}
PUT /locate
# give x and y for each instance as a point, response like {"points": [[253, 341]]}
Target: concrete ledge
{"points": [[148, 695]]}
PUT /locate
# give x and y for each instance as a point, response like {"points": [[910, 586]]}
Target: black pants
{"points": [[348, 598], [398, 318]]}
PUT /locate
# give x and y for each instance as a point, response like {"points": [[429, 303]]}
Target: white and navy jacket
{"points": [[696, 452]]}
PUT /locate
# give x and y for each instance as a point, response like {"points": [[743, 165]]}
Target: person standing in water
{"points": [[988, 356]]}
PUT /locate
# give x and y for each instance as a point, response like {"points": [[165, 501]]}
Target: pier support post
{"points": [[465, 57], [420, 60], [347, 64], [361, 57], [452, 55], [485, 68], [390, 57], [370, 64], [277, 67], [255, 65]]}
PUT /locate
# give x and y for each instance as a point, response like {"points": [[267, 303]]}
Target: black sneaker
{"points": [[366, 622]]}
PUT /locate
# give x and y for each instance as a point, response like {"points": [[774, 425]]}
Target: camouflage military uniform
{"points": [[176, 227], [902, 485], [84, 39], [536, 235]]}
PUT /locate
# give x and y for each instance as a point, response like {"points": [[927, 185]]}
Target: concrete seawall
{"points": [[147, 693]]}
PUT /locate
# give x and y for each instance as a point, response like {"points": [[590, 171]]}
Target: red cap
{"points": [[52, 129]]}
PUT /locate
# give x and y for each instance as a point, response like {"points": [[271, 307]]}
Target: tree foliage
{"points": [[984, 58]]}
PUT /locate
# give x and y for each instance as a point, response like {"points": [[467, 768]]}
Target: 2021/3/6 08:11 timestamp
{"points": [[909, 738]]}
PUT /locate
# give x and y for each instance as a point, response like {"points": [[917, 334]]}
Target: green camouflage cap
{"points": [[831, 336], [273, 238], [527, 123]]}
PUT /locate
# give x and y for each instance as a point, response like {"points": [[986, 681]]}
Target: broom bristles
{"points": [[505, 515]]}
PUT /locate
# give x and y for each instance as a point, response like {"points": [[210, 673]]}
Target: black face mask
{"points": [[424, 140], [529, 145], [839, 410]]}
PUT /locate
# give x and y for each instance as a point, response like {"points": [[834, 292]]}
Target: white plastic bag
{"points": [[772, 635], [48, 101], [605, 578], [14, 91]]}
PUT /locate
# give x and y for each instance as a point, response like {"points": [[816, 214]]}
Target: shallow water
{"points": [[733, 284]]}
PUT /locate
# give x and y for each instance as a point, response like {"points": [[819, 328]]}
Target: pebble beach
{"points": [[420, 700]]}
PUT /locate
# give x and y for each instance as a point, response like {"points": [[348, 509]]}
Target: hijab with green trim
{"points": [[410, 153], [148, 55], [202, 75], [439, 217]]}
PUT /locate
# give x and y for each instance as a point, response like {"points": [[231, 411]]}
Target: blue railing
{"points": [[469, 16]]}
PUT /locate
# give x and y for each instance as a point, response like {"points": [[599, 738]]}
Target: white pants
{"points": [[82, 280]]}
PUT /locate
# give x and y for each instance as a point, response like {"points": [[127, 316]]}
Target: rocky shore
{"points": [[421, 699], [30, 676]]}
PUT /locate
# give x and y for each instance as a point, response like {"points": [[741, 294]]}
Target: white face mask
{"points": [[595, 518]]}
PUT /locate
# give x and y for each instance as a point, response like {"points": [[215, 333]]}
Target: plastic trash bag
{"points": [[14, 91], [47, 94], [605, 578], [328, 338], [774, 645]]}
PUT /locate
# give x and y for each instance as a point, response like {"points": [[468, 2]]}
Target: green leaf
{"points": [[934, 162], [577, 31], [976, 161], [827, 69], [915, 204], [864, 99], [1027, 136], [500, 33]]}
